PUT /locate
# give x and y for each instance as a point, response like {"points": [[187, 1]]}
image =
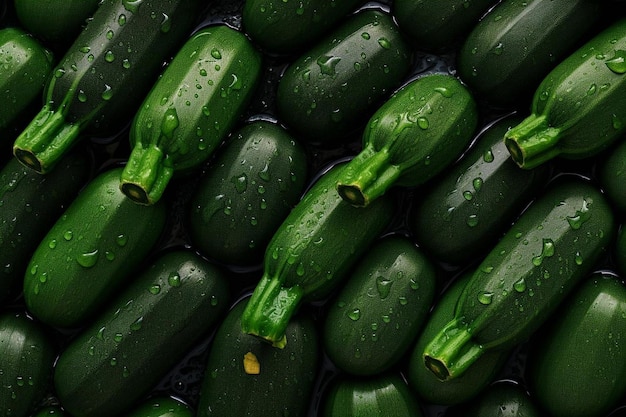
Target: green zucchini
{"points": [[162, 406], [518, 42], [246, 192], [245, 376], [31, 204], [379, 311], [577, 110], [190, 110], [501, 399], [577, 366], [311, 253], [413, 136], [28, 353], [436, 27], [146, 330], [460, 216], [619, 250], [465, 387], [102, 78], [611, 173], [525, 276], [286, 27], [380, 395], [90, 252], [330, 90]]}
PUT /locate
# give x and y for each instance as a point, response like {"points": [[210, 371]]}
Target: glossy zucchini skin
{"points": [[246, 192], [189, 111], [90, 252], [380, 309], [381, 395], [283, 27], [28, 354], [577, 110], [462, 214], [612, 174], [329, 91], [465, 387], [417, 133], [501, 399], [311, 253], [31, 204], [162, 406], [527, 274], [124, 352], [578, 366], [100, 81], [285, 380], [49, 411], [516, 44]]}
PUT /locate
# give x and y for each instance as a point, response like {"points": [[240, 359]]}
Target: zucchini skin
{"points": [[526, 275], [329, 91], [380, 309], [246, 192], [286, 378], [619, 251], [311, 253], [28, 354], [103, 76], [417, 133], [141, 335], [577, 366], [162, 406], [49, 411], [381, 395], [282, 27], [462, 214], [31, 204], [577, 110], [190, 110], [501, 399], [517, 43], [611, 173], [90, 252]]}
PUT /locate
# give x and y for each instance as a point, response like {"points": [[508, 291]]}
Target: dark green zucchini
{"points": [[459, 217], [90, 252], [611, 174], [577, 110], [28, 354], [146, 330], [246, 192], [578, 366], [192, 107], [516, 44], [31, 204], [311, 253], [413, 136], [245, 376], [330, 90], [100, 81], [619, 250], [162, 406], [380, 309], [501, 399], [286, 27], [380, 395], [526, 275]]}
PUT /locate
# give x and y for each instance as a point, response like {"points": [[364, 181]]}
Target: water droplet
{"points": [[422, 122], [59, 72], [383, 286], [170, 122], [91, 350], [155, 289], [488, 156], [174, 279], [132, 5], [107, 93], [485, 298], [121, 19], [477, 183], [82, 97], [327, 64], [215, 53], [87, 259], [498, 49], [617, 64], [109, 56], [617, 122], [113, 361], [166, 23], [444, 91], [547, 251], [121, 240], [384, 43], [100, 334], [355, 314], [578, 259], [68, 235], [136, 325], [472, 220], [126, 63], [468, 195], [52, 244], [118, 337], [300, 271], [240, 182], [403, 300], [581, 216], [365, 36]]}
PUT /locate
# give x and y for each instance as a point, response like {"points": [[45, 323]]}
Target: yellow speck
{"points": [[251, 364]]}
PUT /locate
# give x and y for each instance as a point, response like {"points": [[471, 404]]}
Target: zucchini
{"points": [[50, 411], [465, 387], [284, 27], [459, 217], [577, 110], [310, 254], [31, 204], [517, 43], [27, 352], [162, 406], [502, 399], [380, 395], [190, 110], [246, 192], [526, 275], [413, 136], [125, 351], [104, 75], [611, 173], [329, 91], [577, 366], [379, 311], [619, 250], [90, 252], [245, 376]]}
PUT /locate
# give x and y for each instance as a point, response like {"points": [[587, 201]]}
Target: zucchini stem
{"points": [[532, 142], [146, 175]]}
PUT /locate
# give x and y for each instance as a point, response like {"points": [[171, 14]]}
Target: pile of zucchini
{"points": [[314, 208]]}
